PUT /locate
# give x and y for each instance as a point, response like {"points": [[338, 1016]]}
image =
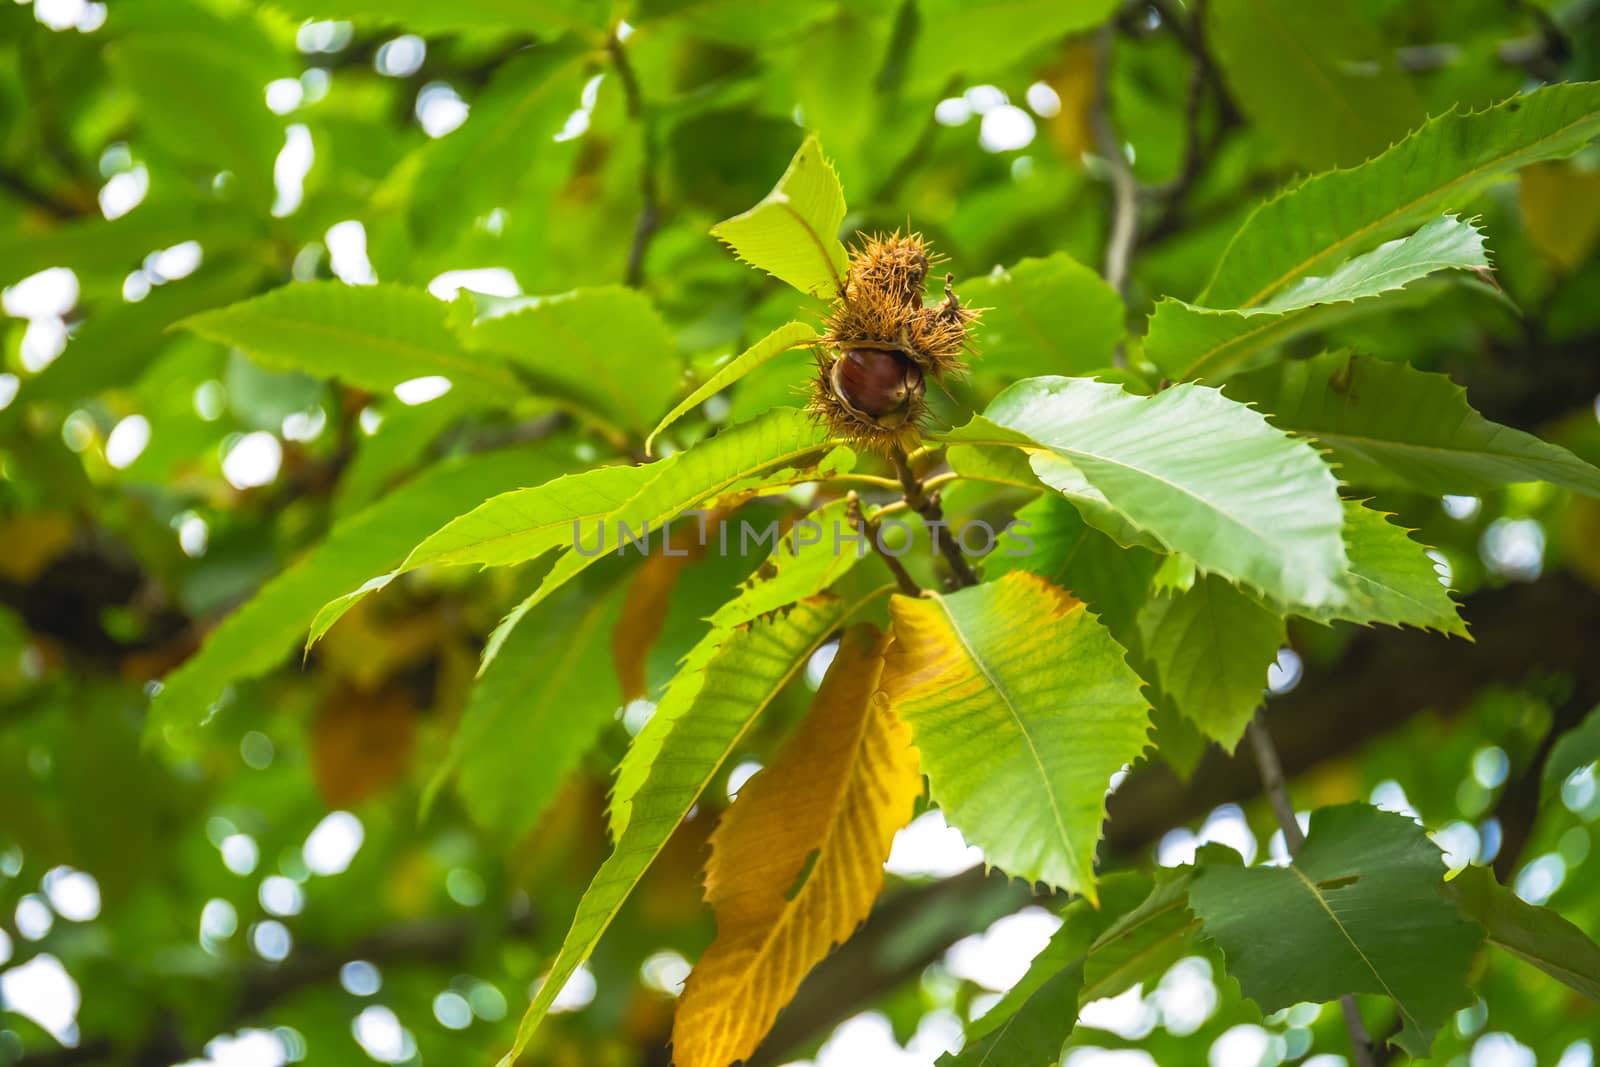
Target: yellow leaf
{"points": [[798, 860], [1073, 79], [1561, 210]]}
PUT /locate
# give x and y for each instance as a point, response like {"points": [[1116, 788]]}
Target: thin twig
{"points": [[1124, 189], [926, 504], [649, 184], [1272, 780], [869, 530], [1203, 81]]}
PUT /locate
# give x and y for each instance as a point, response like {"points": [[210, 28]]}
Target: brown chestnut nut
{"points": [[878, 385]]}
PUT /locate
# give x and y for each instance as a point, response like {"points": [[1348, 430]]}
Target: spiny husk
{"points": [[882, 306], [830, 409]]}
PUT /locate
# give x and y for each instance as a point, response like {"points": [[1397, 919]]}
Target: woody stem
{"points": [[869, 530], [926, 504]]}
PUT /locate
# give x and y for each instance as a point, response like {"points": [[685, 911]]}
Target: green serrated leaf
{"points": [[780, 448], [1389, 424], [1189, 342], [1312, 228], [1392, 579], [1029, 1025], [262, 633], [374, 336], [1143, 943], [605, 348], [793, 234], [788, 576], [813, 554], [1210, 647], [728, 686], [1317, 78], [1114, 581], [1187, 468], [534, 713], [1021, 664], [1536, 935], [1361, 910], [784, 338], [1044, 316], [511, 528]]}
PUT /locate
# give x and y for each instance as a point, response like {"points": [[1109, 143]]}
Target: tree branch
{"points": [[649, 184], [926, 504], [1124, 189], [869, 530], [1278, 795]]}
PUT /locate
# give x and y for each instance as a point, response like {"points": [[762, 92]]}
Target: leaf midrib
{"points": [[1005, 698], [424, 353], [1306, 265], [610, 913], [781, 924], [1333, 917]]}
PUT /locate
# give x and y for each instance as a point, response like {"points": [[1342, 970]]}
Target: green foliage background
{"points": [[229, 229]]}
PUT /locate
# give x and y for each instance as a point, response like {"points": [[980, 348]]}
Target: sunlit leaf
{"points": [[779, 448], [1193, 470], [797, 861], [374, 336], [1189, 342], [1023, 665], [1362, 909], [813, 554], [1393, 580], [794, 233], [775, 343], [1317, 225], [646, 605]]}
